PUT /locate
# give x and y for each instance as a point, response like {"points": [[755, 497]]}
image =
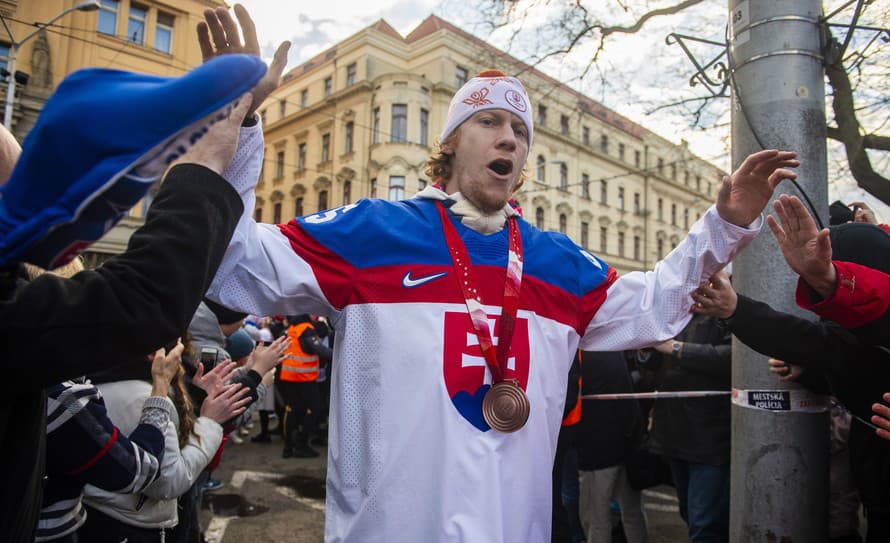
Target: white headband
{"points": [[489, 90]]}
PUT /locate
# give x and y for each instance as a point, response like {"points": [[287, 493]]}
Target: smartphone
{"points": [[208, 358]]}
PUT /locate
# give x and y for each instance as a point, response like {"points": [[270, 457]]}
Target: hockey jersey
{"points": [[410, 457]]}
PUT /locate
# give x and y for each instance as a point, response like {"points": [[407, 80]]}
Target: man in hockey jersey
{"points": [[457, 323]]}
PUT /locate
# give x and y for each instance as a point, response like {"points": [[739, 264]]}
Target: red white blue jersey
{"points": [[410, 457]]}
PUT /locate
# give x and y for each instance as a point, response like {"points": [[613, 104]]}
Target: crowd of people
{"points": [[446, 351]]}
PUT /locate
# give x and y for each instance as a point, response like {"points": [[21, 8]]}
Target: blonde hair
{"points": [[438, 165]]}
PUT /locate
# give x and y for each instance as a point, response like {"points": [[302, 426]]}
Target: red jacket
{"points": [[862, 295]]}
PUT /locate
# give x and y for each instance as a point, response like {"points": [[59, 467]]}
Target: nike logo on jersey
{"points": [[409, 282]]}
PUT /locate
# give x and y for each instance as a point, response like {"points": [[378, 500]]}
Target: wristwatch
{"points": [[676, 347]]}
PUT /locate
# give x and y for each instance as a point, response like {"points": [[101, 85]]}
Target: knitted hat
{"points": [[491, 89], [100, 143], [839, 213], [240, 344]]}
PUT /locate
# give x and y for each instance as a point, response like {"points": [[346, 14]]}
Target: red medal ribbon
{"points": [[495, 360]]}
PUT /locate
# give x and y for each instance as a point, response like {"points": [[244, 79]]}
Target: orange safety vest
{"points": [[298, 365]]}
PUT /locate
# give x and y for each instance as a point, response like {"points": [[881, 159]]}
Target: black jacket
{"points": [[857, 375], [53, 329], [695, 429]]}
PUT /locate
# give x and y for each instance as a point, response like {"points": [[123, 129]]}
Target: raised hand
{"points": [[784, 370], [266, 357], [716, 298], [805, 248], [218, 35], [744, 195], [164, 366], [216, 378], [230, 401], [881, 417], [216, 148]]}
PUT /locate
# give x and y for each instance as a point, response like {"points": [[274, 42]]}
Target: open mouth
{"points": [[501, 166]]}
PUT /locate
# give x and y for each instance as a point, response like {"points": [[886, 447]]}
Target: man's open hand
{"points": [[744, 195]]}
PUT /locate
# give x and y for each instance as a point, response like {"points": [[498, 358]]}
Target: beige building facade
{"points": [[359, 120]]}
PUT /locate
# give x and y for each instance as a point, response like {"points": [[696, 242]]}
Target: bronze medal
{"points": [[505, 407]]}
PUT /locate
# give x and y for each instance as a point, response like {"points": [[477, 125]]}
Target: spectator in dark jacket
{"points": [[693, 434]]}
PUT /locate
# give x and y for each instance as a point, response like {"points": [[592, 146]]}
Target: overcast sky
{"points": [[315, 26]]}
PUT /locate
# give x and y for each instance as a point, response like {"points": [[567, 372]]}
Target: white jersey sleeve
{"points": [[645, 308], [260, 272]]}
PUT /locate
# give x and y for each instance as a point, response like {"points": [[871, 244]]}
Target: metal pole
{"points": [[10, 87], [779, 472]]}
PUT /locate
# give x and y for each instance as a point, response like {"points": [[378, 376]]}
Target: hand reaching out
{"points": [[881, 417], [806, 249], [744, 195], [266, 357], [229, 401], [164, 366], [716, 298], [218, 35], [215, 378], [785, 371]]}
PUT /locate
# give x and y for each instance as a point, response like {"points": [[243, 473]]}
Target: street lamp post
{"points": [[90, 5]]}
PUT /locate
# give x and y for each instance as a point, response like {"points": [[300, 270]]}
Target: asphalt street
{"points": [[268, 499]]}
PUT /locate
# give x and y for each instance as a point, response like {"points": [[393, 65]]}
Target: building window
{"points": [[136, 23], [604, 143], [637, 203], [276, 213], [375, 131], [604, 191], [298, 206], [347, 192], [660, 166], [673, 172], [351, 70], [304, 98], [686, 177], [620, 204], [164, 32], [563, 223], [542, 115], [585, 135], [686, 218], [585, 233], [279, 165], [660, 249], [4, 56], [258, 214], [563, 177], [398, 133], [421, 184], [604, 233], [637, 244], [564, 125], [539, 218], [637, 159], [424, 127], [620, 243], [282, 108], [674, 214], [660, 209], [347, 144], [301, 157], [620, 151], [322, 200], [373, 191], [698, 183], [328, 86], [460, 76], [585, 186], [396, 187], [108, 17], [541, 169], [325, 147]]}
